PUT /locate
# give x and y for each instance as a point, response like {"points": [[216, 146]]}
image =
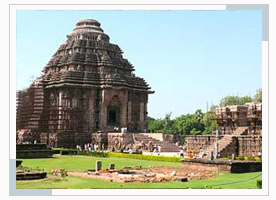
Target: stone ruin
{"points": [[150, 174], [86, 87], [239, 132]]}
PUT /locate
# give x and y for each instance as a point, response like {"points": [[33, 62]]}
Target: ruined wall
{"points": [[118, 141], [26, 136], [196, 142], [67, 139], [241, 145], [250, 145], [101, 139]]}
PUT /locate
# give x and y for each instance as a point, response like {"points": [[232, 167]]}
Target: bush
{"points": [[56, 150], [93, 153], [240, 158], [259, 184], [68, 152], [145, 157], [249, 158], [258, 159], [115, 154], [63, 151]]}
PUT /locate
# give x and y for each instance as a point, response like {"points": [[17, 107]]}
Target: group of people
{"points": [[157, 148], [89, 147]]}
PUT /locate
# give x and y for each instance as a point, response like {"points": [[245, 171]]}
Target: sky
{"points": [[188, 58]]}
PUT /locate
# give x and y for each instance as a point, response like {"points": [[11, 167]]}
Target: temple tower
{"points": [[87, 86]]}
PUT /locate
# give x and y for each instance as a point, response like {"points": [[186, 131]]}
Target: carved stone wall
{"points": [[26, 136], [118, 141], [199, 141], [250, 145], [101, 139], [241, 145]]}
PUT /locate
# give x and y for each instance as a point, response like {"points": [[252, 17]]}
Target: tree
{"points": [[258, 96], [155, 125], [235, 100], [189, 124]]}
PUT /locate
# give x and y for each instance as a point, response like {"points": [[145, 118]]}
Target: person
{"points": [[190, 154], [35, 142], [155, 148], [201, 152], [159, 148], [259, 154], [130, 150], [181, 152]]}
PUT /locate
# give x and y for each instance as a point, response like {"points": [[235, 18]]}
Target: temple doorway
{"points": [[113, 112]]}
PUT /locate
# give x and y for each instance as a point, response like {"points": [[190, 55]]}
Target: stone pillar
{"points": [[124, 114], [98, 165], [59, 109], [91, 110], [129, 112], [104, 109], [211, 155], [142, 116], [112, 166], [216, 150]]}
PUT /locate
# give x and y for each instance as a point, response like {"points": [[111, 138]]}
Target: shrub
{"points": [[251, 158], [258, 159], [259, 184], [240, 158], [145, 157], [93, 153], [115, 154], [56, 150], [68, 152]]}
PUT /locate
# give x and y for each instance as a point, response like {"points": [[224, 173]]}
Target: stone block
{"points": [[98, 165], [111, 166]]}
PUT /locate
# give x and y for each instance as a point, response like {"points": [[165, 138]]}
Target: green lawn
{"points": [[83, 163]]}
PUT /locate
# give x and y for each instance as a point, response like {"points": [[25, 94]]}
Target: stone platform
{"points": [[32, 151], [232, 166]]}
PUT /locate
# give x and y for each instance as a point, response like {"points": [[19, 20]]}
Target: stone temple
{"points": [[86, 87]]}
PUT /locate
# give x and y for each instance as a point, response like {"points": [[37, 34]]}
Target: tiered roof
{"points": [[87, 58]]}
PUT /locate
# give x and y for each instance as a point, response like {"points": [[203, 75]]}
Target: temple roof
{"points": [[87, 26], [88, 58]]}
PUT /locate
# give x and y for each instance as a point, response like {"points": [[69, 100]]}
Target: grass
{"points": [[83, 163]]}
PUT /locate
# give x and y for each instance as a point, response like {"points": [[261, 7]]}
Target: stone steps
{"points": [[165, 145], [225, 141]]}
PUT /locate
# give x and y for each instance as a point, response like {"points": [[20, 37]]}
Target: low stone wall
{"points": [[195, 142], [32, 151], [226, 165], [245, 145], [250, 145]]}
